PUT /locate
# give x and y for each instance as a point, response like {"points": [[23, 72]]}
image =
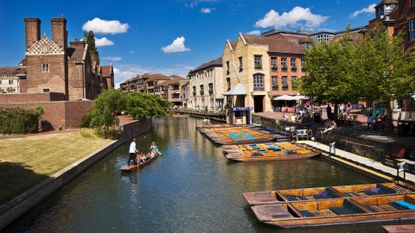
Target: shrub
{"points": [[20, 121]]}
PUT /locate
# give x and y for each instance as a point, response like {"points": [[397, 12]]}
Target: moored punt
{"points": [[337, 211], [132, 167], [400, 228], [304, 194], [233, 135], [268, 152]]}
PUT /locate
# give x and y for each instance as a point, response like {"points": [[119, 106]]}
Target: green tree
{"points": [[143, 106], [107, 104], [329, 72], [89, 38]]}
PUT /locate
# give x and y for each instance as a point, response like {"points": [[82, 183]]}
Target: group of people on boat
{"points": [[139, 158]]}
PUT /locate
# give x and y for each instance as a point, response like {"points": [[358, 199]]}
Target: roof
{"points": [[106, 71], [237, 90], [8, 71], [383, 2], [213, 63], [276, 43]]}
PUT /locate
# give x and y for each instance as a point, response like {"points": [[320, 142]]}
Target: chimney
{"points": [[32, 31], [59, 33]]}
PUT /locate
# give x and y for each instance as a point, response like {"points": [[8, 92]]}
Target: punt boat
{"points": [[128, 167], [304, 194], [348, 210], [268, 152]]}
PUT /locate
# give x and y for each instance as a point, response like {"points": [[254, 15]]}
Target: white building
{"points": [[206, 87], [9, 80]]}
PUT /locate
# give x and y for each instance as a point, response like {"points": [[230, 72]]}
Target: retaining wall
{"points": [[24, 202]]}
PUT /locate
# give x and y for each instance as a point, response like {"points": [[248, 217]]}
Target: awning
{"points": [[299, 97], [413, 96], [284, 97], [237, 90]]}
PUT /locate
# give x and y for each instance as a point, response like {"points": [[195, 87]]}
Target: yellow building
{"points": [[247, 73]]}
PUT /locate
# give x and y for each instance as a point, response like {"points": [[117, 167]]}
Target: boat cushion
{"points": [[348, 208], [406, 204], [306, 213]]}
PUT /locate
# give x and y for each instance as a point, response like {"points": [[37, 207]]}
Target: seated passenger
{"points": [[153, 147]]}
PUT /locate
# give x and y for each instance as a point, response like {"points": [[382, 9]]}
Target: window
{"points": [[284, 83], [258, 61], [412, 2], [45, 68], [228, 84], [10, 82], [274, 80], [210, 88], [303, 64], [45, 90], [274, 65], [284, 64], [202, 90], [411, 30], [227, 67], [258, 82], [293, 64], [194, 90], [293, 83], [240, 64]]}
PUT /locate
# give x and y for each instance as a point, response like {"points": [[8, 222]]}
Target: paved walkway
{"points": [[358, 159]]}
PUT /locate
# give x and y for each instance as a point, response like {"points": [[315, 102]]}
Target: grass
{"points": [[25, 162]]}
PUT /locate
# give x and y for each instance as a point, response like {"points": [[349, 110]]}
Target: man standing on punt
{"points": [[133, 151]]}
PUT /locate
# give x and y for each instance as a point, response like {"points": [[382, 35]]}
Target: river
{"points": [[190, 188]]}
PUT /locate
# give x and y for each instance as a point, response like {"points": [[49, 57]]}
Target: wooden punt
{"points": [[268, 152], [235, 135], [337, 211], [127, 167], [303, 194]]}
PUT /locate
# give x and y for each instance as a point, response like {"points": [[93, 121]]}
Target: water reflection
{"points": [[190, 188]]}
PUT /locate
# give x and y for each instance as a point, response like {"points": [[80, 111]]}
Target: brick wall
{"points": [[31, 97], [58, 114]]}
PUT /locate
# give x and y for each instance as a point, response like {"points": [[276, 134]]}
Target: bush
{"points": [[19, 121]]}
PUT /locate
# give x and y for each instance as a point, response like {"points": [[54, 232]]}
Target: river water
{"points": [[191, 188]]}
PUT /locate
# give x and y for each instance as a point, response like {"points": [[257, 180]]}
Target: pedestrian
{"points": [[370, 120], [133, 151], [328, 110]]}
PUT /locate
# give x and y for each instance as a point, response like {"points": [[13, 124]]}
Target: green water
{"points": [[191, 188]]}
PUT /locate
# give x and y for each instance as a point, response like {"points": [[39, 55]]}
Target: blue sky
{"points": [[141, 31]]}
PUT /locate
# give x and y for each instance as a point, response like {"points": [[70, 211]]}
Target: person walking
{"points": [[133, 151]]}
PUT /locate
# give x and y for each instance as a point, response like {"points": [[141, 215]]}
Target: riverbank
{"points": [[27, 161], [53, 161]]}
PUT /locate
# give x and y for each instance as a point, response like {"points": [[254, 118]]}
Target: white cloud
{"points": [[99, 42], [127, 71], [206, 10], [112, 58], [370, 9], [254, 33], [176, 46], [298, 16], [101, 26]]}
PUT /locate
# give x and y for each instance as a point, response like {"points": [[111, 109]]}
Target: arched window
{"points": [[258, 82]]}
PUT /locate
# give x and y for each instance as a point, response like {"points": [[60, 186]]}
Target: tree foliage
{"points": [[375, 68], [89, 38], [141, 106]]}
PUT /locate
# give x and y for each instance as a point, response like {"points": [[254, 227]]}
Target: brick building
{"points": [[62, 78], [51, 65], [167, 87]]}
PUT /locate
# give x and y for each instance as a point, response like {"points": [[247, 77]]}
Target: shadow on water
{"points": [[16, 178], [191, 188]]}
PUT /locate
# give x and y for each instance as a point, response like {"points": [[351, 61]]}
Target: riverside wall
{"points": [[13, 209]]}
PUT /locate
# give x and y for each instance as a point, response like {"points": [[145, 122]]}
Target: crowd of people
{"points": [[139, 158]]}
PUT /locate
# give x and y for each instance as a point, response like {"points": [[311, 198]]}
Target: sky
{"points": [[171, 36]]}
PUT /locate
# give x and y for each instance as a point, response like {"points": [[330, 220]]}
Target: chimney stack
{"points": [[59, 33], [32, 31]]}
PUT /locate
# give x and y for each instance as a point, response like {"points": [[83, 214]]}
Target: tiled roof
{"points": [[8, 71], [233, 44], [106, 71], [276, 43], [388, 2], [213, 63]]}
